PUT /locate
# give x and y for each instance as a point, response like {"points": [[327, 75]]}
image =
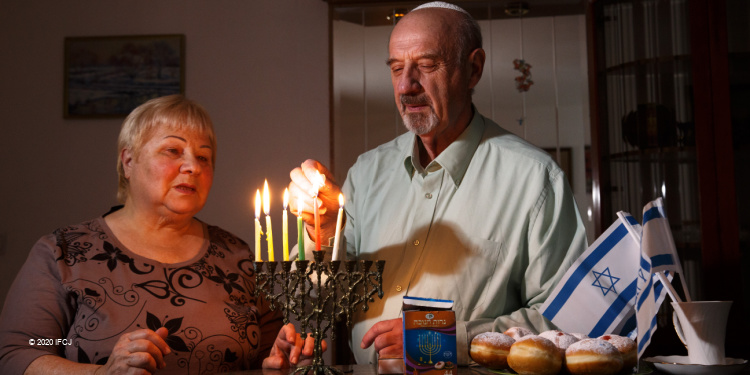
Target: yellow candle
{"points": [[266, 210], [300, 231], [258, 229], [337, 237], [285, 226]]}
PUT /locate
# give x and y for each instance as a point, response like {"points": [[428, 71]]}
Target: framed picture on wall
{"points": [[565, 161], [110, 76]]}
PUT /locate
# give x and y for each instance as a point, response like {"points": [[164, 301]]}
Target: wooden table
{"points": [[363, 370], [372, 370]]}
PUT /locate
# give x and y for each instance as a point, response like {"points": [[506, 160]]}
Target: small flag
{"points": [[658, 255], [597, 294]]}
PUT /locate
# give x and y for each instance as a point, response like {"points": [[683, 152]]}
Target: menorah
{"points": [[304, 293], [429, 344]]}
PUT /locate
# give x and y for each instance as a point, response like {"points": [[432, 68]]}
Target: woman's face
{"points": [[172, 174]]}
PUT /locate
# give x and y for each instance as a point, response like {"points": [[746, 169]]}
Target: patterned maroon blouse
{"points": [[81, 289]]}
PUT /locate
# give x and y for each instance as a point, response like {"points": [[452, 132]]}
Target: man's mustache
{"points": [[415, 100]]}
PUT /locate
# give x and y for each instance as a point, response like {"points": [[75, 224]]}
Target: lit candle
{"points": [[285, 226], [300, 231], [266, 210], [318, 183], [258, 230], [337, 237]]}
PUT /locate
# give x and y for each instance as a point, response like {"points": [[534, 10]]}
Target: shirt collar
{"points": [[455, 158]]}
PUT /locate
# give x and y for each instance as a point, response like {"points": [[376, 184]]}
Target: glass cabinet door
{"points": [[663, 78], [646, 125]]}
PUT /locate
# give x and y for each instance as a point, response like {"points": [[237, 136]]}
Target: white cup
{"points": [[702, 325]]}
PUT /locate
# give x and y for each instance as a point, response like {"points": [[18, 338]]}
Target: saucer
{"points": [[679, 364]]}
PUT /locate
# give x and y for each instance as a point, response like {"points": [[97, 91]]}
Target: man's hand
{"points": [[290, 350], [388, 337], [302, 185]]}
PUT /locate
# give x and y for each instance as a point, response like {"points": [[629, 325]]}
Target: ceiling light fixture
{"points": [[517, 8], [396, 14]]}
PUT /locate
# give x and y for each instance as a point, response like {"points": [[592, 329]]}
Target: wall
{"points": [[365, 114], [259, 67]]}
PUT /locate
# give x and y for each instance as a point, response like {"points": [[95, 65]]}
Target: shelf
{"points": [[684, 155], [644, 62]]}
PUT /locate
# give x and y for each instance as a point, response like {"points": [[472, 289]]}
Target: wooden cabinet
{"points": [[660, 111]]}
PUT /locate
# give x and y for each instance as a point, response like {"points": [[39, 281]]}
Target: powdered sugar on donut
{"points": [[561, 339], [623, 344], [594, 346], [494, 339], [518, 332]]}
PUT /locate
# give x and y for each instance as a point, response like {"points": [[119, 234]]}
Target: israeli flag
{"points": [[597, 295], [658, 255]]}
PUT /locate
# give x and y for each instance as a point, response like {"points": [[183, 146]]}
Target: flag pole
{"points": [[660, 275]]}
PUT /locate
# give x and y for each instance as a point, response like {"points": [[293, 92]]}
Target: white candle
{"points": [[258, 229], [337, 237]]}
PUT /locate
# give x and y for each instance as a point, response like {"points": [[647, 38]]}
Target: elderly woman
{"points": [[147, 286]]}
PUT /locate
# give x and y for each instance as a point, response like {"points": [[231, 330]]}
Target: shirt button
{"points": [[398, 288], [428, 195], [416, 242]]}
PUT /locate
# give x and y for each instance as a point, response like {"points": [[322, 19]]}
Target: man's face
{"points": [[429, 86]]}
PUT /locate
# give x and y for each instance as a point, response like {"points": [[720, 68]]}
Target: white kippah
{"points": [[444, 5]]}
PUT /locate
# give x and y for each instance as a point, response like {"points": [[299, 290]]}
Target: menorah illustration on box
{"points": [[429, 344], [318, 294]]}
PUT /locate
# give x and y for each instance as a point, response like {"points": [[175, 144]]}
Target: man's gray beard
{"points": [[419, 124]]}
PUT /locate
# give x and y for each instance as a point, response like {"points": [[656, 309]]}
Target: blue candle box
{"points": [[429, 336]]}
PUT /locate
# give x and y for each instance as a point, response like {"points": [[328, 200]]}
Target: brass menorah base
{"points": [[317, 303]]}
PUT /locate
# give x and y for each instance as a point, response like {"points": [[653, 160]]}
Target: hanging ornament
{"points": [[524, 81]]}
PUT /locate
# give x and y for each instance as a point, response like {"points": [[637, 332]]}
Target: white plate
{"points": [[680, 364]]}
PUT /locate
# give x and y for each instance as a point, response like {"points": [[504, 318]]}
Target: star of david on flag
{"points": [[617, 285], [601, 281], [597, 294]]}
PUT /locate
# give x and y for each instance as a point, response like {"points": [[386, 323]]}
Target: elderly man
{"points": [[458, 207]]}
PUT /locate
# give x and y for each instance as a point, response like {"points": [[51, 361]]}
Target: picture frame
{"points": [[565, 161], [109, 76]]}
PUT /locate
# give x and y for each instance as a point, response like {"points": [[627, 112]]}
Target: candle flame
{"points": [[286, 198], [299, 206], [341, 200], [257, 203], [266, 199]]}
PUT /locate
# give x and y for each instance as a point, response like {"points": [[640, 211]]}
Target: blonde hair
{"points": [[172, 112]]}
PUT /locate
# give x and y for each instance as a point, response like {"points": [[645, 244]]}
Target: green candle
{"points": [[300, 231]]}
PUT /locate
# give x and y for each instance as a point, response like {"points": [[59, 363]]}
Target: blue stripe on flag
{"points": [[631, 220], [658, 290], [647, 336], [614, 309], [645, 265], [662, 260], [644, 294], [583, 269], [653, 213]]}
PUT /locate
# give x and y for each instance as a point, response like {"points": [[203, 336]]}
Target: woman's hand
{"points": [[138, 350], [290, 350]]}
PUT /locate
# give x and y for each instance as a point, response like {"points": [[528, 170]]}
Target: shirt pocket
{"points": [[478, 269]]}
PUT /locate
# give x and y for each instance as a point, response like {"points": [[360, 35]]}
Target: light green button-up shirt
{"points": [[491, 223]]}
